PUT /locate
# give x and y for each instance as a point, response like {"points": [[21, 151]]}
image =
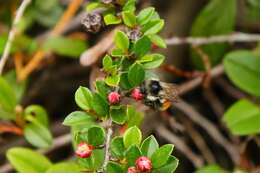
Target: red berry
{"points": [[132, 170], [143, 164], [137, 94], [113, 97], [84, 150]]}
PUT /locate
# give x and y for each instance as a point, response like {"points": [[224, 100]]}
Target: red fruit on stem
{"points": [[84, 150], [143, 164], [132, 170], [113, 97], [137, 94]]}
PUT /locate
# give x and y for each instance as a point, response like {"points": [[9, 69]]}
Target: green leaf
{"points": [[68, 167], [18, 86], [113, 80], [153, 27], [111, 19], [122, 41], [117, 147], [94, 5], [65, 46], [118, 53], [217, 18], [4, 115], [132, 154], [169, 167], [129, 18], [94, 162], [83, 98], [107, 62], [161, 155], [158, 41], [118, 115], [132, 136], [145, 15], [134, 118], [124, 82], [102, 88], [77, 118], [37, 134], [129, 5], [157, 60], [149, 146], [242, 68], [96, 135], [25, 160], [136, 74], [7, 96], [211, 169], [38, 112], [100, 105], [243, 118], [142, 46], [113, 167]]}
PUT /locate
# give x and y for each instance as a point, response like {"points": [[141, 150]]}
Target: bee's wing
{"points": [[171, 91]]}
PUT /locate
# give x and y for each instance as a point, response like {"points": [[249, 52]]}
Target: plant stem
{"points": [[12, 34], [234, 37], [107, 145]]}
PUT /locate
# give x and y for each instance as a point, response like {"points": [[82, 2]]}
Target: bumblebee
{"points": [[159, 95]]}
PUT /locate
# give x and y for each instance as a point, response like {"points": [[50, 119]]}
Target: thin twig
{"points": [[107, 145], [12, 33], [196, 160], [58, 29], [234, 37], [90, 56], [209, 127], [174, 70], [207, 65], [199, 141], [214, 101], [192, 84], [11, 129]]}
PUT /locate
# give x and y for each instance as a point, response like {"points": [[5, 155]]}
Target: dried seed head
{"points": [[134, 34], [92, 22], [107, 1]]}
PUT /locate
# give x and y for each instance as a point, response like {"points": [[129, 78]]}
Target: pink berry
{"points": [[113, 97], [143, 164], [84, 150], [132, 170], [137, 94]]}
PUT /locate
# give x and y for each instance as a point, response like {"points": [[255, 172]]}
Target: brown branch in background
{"points": [[12, 33], [11, 129], [18, 61], [215, 103], [174, 70], [206, 61], [229, 89], [192, 84], [91, 56], [199, 141], [163, 132], [209, 127], [235, 37], [58, 29]]}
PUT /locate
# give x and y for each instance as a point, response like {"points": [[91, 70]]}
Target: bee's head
{"points": [[155, 87]]}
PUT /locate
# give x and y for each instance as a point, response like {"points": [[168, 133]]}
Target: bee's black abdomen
{"points": [[155, 87]]}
